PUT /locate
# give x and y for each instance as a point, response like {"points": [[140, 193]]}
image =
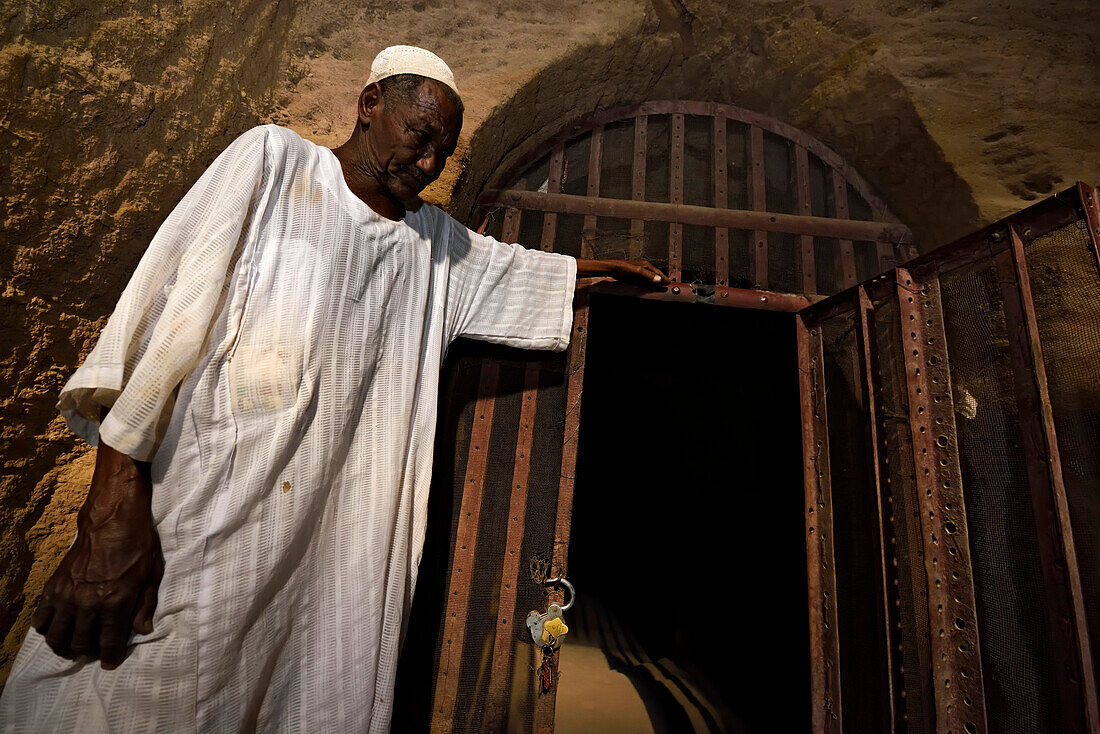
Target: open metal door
{"points": [[743, 211], [500, 511], [951, 430]]}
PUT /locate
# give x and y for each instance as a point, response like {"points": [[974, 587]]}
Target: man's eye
{"points": [[422, 136]]}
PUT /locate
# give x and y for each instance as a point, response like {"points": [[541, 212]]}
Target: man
{"points": [[264, 402]]}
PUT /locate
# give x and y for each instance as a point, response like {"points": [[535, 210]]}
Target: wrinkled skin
{"points": [[107, 582]]}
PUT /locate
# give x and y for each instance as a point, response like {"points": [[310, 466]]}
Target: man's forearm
{"points": [[107, 582], [118, 478]]}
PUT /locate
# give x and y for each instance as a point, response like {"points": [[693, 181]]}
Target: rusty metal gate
{"points": [[952, 538], [952, 469]]}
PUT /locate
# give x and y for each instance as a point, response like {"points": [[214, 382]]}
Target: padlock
{"points": [[547, 630]]}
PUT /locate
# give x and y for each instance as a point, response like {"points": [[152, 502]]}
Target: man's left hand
{"points": [[639, 272]]}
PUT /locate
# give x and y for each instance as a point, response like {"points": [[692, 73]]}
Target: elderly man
{"points": [[264, 400]]}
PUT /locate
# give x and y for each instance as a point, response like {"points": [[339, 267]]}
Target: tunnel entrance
{"points": [[687, 548]]}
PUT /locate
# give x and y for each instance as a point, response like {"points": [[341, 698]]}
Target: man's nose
{"points": [[432, 163]]}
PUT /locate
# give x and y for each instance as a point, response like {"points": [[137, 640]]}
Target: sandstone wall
{"points": [[109, 112], [956, 112]]}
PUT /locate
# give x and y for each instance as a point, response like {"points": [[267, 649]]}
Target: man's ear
{"points": [[370, 103]]}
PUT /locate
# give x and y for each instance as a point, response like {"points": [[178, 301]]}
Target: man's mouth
{"points": [[414, 178]]}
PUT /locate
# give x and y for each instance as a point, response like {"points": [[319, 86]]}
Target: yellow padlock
{"points": [[553, 629]]}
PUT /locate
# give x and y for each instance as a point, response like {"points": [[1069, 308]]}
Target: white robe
{"points": [[291, 467]]}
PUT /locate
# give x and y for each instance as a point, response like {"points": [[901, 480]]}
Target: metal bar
{"points": [[1052, 213], [1048, 215], [676, 196], [805, 209], [595, 156], [575, 358], [496, 707], [820, 567], [956, 662], [1054, 533], [847, 249], [690, 214], [553, 186], [721, 296], [721, 201], [759, 204], [637, 189], [1091, 207], [510, 228], [462, 565], [866, 337], [730, 112]]}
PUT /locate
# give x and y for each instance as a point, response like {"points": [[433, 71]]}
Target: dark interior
{"points": [[687, 526]]}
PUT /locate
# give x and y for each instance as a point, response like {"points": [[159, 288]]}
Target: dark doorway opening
{"points": [[688, 546]]}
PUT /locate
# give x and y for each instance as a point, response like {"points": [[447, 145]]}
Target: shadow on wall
{"points": [[849, 101]]}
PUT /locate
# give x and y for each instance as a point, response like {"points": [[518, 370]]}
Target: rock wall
{"points": [[956, 113], [109, 112]]}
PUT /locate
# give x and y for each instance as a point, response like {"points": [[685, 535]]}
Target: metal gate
{"points": [[952, 531], [952, 470]]}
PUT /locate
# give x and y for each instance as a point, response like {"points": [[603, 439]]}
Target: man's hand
{"points": [[638, 272], [107, 583]]}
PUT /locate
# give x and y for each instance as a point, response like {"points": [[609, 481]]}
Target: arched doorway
{"points": [[900, 491], [743, 211], [718, 195]]}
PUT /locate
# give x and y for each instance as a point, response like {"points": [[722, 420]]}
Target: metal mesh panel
{"points": [[656, 165], [698, 160], [784, 262], [903, 520], [568, 235], [866, 260], [864, 674], [425, 638], [698, 255], [1063, 270], [530, 229], [419, 664], [1013, 626], [827, 263], [613, 239], [737, 165], [740, 258], [481, 615], [616, 164], [574, 171]]}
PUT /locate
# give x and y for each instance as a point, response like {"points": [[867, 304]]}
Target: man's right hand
{"points": [[107, 583]]}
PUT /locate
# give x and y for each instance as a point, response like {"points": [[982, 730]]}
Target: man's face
{"points": [[410, 141]]}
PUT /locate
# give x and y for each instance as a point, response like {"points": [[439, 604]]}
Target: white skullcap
{"points": [[410, 60]]}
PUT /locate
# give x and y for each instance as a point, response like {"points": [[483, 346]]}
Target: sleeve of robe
{"points": [[508, 294], [154, 336]]}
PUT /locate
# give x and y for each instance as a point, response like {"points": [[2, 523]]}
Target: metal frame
{"points": [[574, 375], [820, 559], [886, 231], [1054, 536], [957, 688], [956, 662], [496, 706], [868, 369], [462, 565]]}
